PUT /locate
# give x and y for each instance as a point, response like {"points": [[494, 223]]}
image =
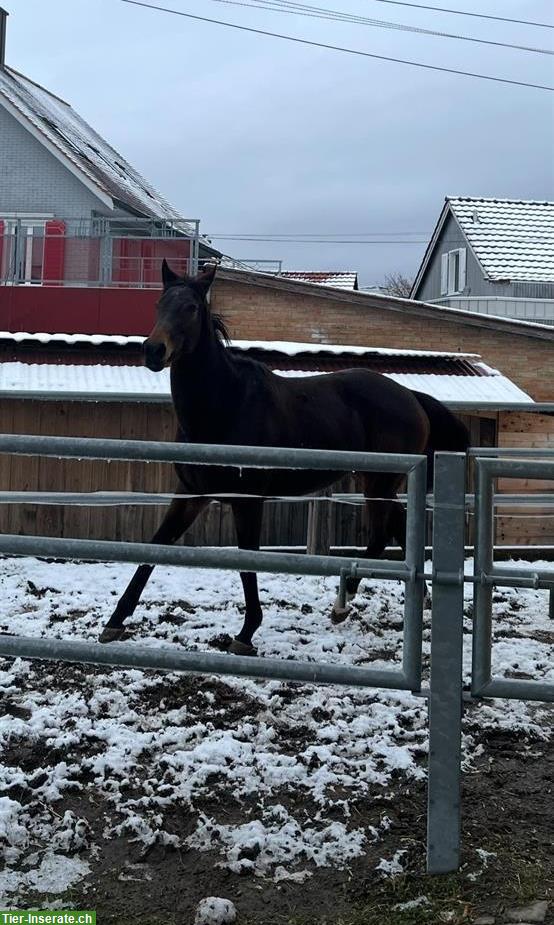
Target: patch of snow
{"points": [[412, 904], [393, 866], [258, 846], [55, 873], [485, 855], [11, 832], [215, 911]]}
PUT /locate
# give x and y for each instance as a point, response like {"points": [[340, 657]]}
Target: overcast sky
{"points": [[256, 135]]}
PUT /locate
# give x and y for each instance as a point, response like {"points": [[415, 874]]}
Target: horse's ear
{"points": [[205, 278], [168, 276]]}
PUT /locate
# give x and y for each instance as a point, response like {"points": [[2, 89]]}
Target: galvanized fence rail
{"points": [[445, 692], [487, 575]]}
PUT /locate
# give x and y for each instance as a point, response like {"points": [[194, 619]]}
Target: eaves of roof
{"points": [[391, 303]]}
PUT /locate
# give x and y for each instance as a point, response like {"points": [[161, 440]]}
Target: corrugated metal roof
{"points": [[288, 348], [102, 382], [337, 279], [92, 380], [512, 239], [497, 388], [64, 128]]}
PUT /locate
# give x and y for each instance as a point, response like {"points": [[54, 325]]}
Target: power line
{"points": [[314, 12], [442, 9], [330, 239], [350, 51], [310, 240], [285, 235]]}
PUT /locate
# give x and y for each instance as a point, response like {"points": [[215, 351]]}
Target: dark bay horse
{"points": [[222, 396]]}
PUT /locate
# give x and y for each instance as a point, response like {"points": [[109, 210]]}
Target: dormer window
{"points": [[453, 271]]}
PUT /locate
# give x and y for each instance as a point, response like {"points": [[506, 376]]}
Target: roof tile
{"points": [[512, 239]]}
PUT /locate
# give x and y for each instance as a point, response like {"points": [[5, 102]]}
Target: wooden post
{"points": [[318, 538]]}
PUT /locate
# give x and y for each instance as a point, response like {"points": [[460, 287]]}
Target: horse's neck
{"points": [[202, 386]]}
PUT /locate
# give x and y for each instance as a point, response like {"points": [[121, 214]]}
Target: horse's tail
{"points": [[447, 433]]}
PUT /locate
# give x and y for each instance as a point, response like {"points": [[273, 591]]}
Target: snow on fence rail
{"points": [[445, 693]]}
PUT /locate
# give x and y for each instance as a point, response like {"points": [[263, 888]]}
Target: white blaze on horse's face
{"points": [[180, 313]]}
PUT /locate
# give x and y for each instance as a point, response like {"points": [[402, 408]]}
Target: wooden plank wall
{"points": [[525, 526], [284, 523]]}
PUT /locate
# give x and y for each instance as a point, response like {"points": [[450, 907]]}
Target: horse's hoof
{"points": [[236, 647], [111, 634], [339, 614]]}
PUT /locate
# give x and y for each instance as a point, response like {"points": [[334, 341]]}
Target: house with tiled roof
{"points": [[492, 256], [338, 279], [72, 208]]}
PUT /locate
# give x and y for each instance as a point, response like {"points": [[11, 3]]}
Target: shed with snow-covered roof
{"points": [[108, 368], [96, 385]]}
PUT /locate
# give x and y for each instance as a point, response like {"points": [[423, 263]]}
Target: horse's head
{"points": [[181, 311]]}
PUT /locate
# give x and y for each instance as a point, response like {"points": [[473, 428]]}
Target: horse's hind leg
{"points": [[384, 516], [398, 528], [179, 517]]}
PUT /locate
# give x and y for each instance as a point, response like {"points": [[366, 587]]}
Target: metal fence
{"points": [[124, 253], [445, 691]]}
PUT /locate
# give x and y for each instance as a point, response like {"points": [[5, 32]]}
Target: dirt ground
{"points": [[134, 780], [508, 826]]}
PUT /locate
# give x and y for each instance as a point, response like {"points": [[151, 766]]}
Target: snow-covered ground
{"points": [[151, 746]]}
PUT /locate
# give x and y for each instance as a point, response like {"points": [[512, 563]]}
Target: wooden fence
{"points": [[319, 524]]}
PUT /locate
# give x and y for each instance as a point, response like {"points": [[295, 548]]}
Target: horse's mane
{"points": [[220, 328]]}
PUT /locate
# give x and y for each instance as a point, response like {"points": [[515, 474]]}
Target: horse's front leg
{"points": [[179, 517], [248, 524]]}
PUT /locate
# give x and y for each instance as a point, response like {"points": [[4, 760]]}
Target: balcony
{"points": [[94, 252], [88, 276]]}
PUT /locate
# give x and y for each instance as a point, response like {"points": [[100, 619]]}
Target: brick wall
{"points": [[260, 312]]}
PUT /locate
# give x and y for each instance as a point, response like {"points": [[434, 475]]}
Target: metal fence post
{"points": [[445, 701], [415, 587], [482, 566]]}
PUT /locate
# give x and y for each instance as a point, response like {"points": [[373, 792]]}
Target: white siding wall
{"points": [[33, 180], [524, 309]]}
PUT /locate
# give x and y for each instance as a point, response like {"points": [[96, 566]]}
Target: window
{"points": [[453, 271]]}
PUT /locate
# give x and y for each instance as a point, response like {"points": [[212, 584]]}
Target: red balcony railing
{"points": [[113, 253]]}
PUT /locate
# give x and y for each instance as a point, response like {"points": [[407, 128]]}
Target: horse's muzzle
{"points": [[154, 355]]}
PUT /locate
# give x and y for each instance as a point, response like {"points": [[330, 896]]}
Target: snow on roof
{"points": [[57, 123], [293, 348], [290, 348], [338, 279], [95, 340], [512, 239], [473, 389], [103, 382], [96, 381]]}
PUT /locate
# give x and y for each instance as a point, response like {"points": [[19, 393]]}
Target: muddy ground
{"points": [[507, 858], [120, 787]]}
